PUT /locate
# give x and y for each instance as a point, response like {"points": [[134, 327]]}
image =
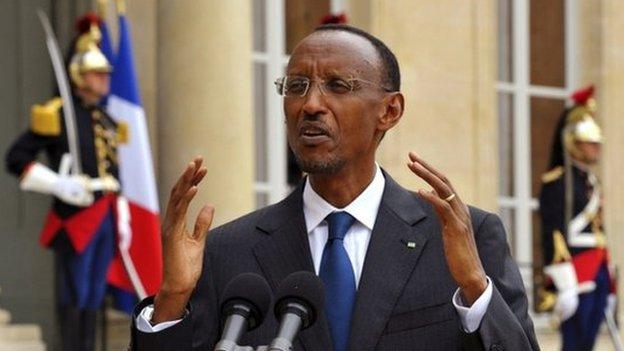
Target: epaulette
{"points": [[123, 133], [45, 119], [552, 175]]}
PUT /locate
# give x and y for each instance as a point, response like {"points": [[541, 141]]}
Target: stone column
{"points": [[204, 100], [446, 51], [611, 111]]}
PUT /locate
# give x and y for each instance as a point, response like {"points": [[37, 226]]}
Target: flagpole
{"points": [[140, 255], [124, 251]]}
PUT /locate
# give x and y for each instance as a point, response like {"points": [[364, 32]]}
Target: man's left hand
{"points": [[460, 248]]}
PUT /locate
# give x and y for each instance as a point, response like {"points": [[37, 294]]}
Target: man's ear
{"points": [[394, 104]]}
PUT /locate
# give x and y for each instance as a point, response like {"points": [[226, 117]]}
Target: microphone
{"points": [[246, 300], [299, 298]]}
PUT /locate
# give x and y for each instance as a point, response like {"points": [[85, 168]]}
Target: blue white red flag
{"points": [[136, 270]]}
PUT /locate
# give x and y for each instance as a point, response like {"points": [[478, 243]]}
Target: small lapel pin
{"points": [[409, 244]]}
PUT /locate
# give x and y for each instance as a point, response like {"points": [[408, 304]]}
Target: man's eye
{"points": [[296, 86], [338, 86]]}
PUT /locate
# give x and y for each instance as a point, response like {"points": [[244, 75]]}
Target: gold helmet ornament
{"points": [[580, 125], [87, 55]]}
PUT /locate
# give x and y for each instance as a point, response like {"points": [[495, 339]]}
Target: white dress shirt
{"points": [[364, 209]]}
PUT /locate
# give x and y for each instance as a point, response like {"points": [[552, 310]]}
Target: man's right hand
{"points": [[183, 250]]}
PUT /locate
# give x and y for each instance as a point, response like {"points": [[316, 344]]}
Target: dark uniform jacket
{"points": [[583, 237], [97, 138]]}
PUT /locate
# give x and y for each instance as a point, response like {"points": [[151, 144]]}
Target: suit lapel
{"points": [[396, 243], [286, 250]]}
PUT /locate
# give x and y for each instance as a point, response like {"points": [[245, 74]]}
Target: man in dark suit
{"points": [[402, 270]]}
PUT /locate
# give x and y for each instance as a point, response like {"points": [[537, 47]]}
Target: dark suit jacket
{"points": [[404, 299]]}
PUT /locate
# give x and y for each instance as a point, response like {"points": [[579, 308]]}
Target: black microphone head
{"points": [[303, 288], [250, 290]]}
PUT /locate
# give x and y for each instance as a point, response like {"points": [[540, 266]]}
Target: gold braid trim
{"points": [[547, 300], [561, 254], [123, 133]]}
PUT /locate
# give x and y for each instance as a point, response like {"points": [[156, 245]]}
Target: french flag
{"points": [[136, 271]]}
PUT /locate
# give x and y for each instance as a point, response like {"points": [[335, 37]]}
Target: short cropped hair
{"points": [[391, 75]]}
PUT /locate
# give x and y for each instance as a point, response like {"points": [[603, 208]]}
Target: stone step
{"points": [[5, 317], [22, 346], [20, 332]]}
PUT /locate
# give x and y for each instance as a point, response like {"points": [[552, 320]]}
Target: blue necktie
{"points": [[339, 280]]}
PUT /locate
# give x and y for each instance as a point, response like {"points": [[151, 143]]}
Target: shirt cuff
{"points": [[472, 316], [143, 321]]}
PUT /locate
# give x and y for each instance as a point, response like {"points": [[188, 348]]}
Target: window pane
{"points": [[507, 216], [547, 43], [260, 131], [259, 25], [505, 42], [505, 142], [544, 116], [302, 16], [262, 200]]}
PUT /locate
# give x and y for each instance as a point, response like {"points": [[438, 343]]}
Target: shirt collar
{"points": [[363, 208]]}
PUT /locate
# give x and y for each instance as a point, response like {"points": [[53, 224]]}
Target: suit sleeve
{"points": [[506, 324], [198, 330]]}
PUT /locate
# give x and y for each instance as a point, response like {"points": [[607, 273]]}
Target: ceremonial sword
{"points": [[66, 96], [613, 330]]}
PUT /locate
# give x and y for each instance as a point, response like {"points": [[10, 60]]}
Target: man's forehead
{"points": [[334, 46]]}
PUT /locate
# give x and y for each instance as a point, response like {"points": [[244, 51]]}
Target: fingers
{"points": [[180, 188], [199, 175], [192, 175], [443, 208], [436, 183], [415, 158], [440, 183], [191, 171], [181, 207], [203, 222]]}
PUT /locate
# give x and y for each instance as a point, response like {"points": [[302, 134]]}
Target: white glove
{"points": [[563, 276], [71, 189], [106, 183], [567, 303]]}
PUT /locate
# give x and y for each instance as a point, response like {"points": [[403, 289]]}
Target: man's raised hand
{"points": [[460, 249], [183, 250]]}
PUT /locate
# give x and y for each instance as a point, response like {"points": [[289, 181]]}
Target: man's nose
{"points": [[314, 100]]}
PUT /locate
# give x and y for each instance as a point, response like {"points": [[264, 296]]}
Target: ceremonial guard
{"points": [[83, 178], [575, 257]]}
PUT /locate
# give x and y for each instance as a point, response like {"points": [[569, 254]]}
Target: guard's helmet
{"points": [[580, 122], [577, 123], [87, 56]]}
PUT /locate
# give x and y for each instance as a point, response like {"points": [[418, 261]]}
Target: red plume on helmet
{"points": [[84, 23], [581, 96], [339, 18]]}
